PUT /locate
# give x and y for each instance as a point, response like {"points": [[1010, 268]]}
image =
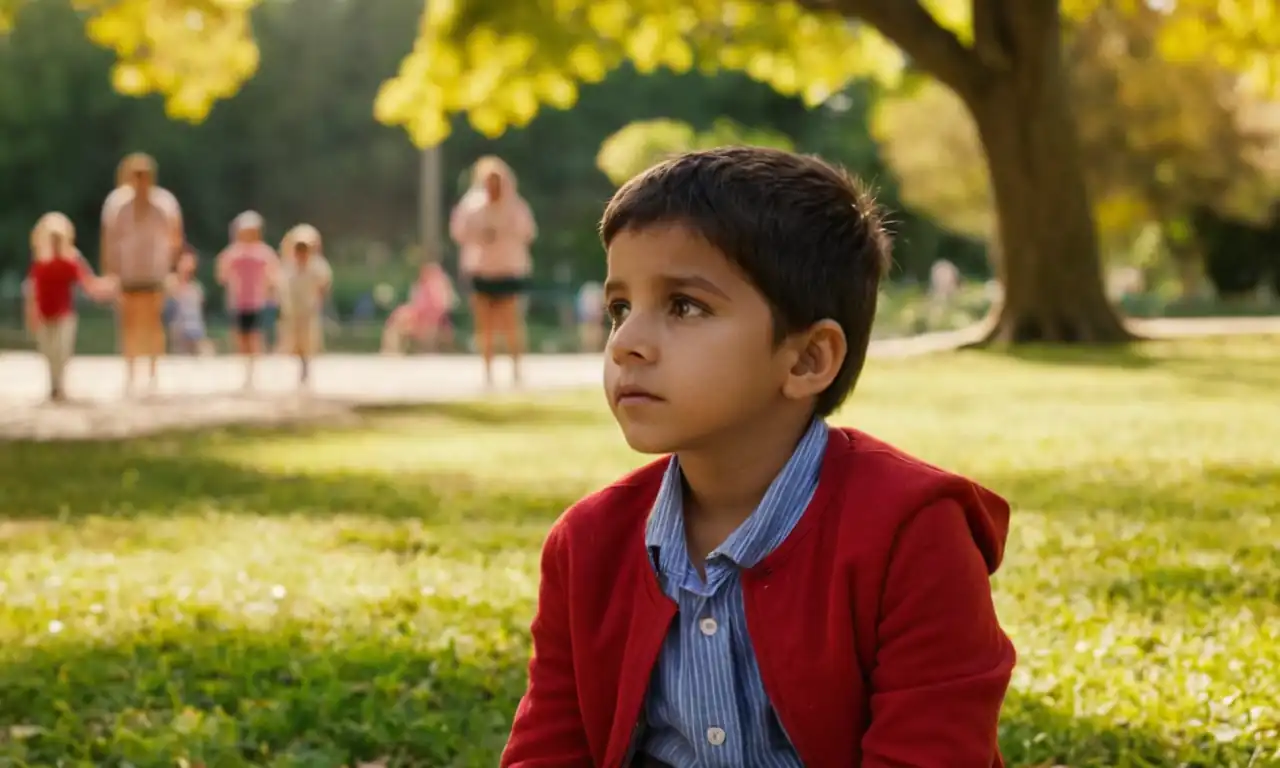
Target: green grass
{"points": [[325, 597]]}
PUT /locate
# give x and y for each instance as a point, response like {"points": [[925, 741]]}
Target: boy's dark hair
{"points": [[807, 235]]}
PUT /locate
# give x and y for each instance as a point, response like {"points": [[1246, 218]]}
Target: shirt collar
{"points": [[768, 526]]}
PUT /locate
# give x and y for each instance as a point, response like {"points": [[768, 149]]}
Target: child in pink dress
{"points": [[426, 315], [248, 268]]}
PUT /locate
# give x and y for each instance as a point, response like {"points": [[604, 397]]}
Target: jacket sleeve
{"points": [[548, 730], [526, 227], [943, 663], [460, 223]]}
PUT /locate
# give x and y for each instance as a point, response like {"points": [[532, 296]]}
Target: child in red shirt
{"points": [[56, 268], [774, 592]]}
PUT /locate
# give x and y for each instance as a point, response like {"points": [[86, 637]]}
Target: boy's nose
{"points": [[633, 341]]}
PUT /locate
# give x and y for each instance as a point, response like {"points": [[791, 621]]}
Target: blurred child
{"points": [[186, 294], [56, 268], [305, 284], [248, 268], [590, 312], [425, 317]]}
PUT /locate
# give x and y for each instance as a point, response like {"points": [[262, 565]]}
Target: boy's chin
{"points": [[649, 440]]}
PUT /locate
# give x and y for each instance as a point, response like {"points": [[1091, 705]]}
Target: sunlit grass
{"points": [[322, 597]]}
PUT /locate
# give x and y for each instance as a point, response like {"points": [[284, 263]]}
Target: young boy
{"points": [[776, 592], [186, 294], [306, 283]]}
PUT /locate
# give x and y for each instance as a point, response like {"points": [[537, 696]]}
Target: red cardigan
{"points": [[872, 623]]}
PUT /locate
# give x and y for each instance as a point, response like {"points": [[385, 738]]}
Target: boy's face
{"points": [[248, 234], [691, 359]]}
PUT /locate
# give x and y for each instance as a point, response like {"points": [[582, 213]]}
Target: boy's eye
{"points": [[617, 311], [682, 306]]}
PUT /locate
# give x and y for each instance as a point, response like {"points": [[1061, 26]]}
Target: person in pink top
{"points": [[248, 269], [493, 227]]}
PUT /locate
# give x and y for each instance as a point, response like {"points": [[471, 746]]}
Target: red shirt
{"points": [[52, 283], [873, 623]]}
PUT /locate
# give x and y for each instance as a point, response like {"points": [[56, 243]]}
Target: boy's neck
{"points": [[725, 482]]}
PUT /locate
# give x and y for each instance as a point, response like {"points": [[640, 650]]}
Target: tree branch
{"points": [[912, 28]]}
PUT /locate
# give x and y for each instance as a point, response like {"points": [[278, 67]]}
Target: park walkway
{"points": [[206, 392]]}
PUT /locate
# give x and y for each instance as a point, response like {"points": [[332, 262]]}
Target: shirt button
{"points": [[708, 626], [715, 736]]}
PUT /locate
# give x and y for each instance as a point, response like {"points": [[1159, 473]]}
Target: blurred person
{"points": [[494, 227], [142, 234], [283, 344], [589, 309], [57, 267], [248, 268], [306, 279], [425, 317], [944, 288], [186, 295]]}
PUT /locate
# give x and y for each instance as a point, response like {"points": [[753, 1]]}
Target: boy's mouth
{"points": [[633, 395]]}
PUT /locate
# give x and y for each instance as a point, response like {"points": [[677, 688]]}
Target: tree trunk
{"points": [[1049, 257]]}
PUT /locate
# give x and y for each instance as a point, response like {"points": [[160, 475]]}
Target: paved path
{"points": [[208, 391], [205, 392]]}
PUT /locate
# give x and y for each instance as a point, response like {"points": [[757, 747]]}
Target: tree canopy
{"points": [[639, 145], [1158, 137], [499, 62]]}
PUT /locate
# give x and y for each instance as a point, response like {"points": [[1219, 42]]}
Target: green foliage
{"points": [[322, 597], [643, 143], [1157, 136], [498, 62], [930, 142]]}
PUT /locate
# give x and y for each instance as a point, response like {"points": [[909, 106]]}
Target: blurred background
{"points": [[1180, 162]]}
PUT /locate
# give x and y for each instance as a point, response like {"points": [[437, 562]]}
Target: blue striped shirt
{"points": [[706, 704]]}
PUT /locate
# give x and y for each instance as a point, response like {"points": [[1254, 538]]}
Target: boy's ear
{"points": [[818, 353]]}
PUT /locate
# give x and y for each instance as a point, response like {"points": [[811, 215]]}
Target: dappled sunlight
{"points": [[335, 594], [512, 446], [175, 637]]}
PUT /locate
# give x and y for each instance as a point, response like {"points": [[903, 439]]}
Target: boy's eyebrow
{"points": [[675, 283]]}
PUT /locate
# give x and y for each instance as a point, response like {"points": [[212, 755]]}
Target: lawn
{"points": [[338, 596]]}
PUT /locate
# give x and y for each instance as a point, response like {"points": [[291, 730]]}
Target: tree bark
{"points": [[1049, 257], [1013, 80]]}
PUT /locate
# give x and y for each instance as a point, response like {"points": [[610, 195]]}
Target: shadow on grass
{"points": [[558, 412], [1211, 590], [1225, 362], [1033, 733], [1211, 491], [164, 477]]}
